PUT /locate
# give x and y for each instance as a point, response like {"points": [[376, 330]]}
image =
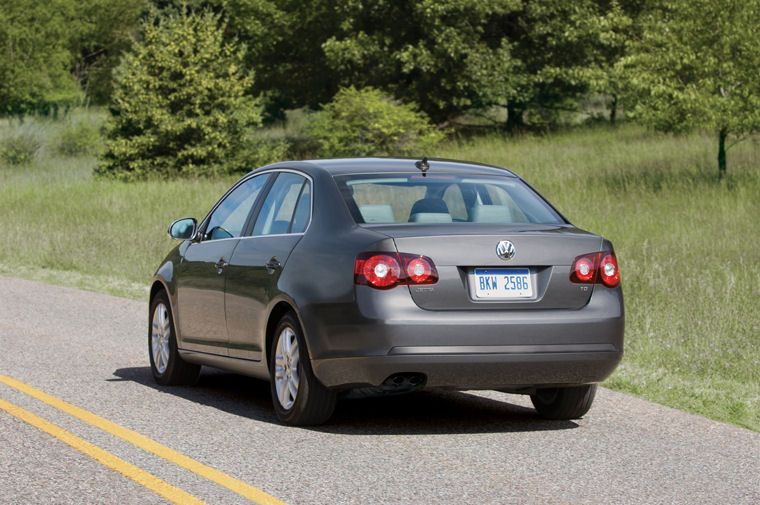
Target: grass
{"points": [[64, 226], [688, 245]]}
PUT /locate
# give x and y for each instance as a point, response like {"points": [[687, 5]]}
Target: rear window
{"points": [[394, 198]]}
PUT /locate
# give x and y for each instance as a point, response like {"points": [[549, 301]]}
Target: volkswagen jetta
{"points": [[377, 276]]}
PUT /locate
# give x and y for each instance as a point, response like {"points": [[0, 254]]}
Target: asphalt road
{"points": [[435, 447]]}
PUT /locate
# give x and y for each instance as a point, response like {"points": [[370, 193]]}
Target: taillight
{"points": [[379, 270], [608, 270], [384, 270], [596, 268]]}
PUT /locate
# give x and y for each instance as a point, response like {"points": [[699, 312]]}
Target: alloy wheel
{"points": [[159, 338], [286, 378]]}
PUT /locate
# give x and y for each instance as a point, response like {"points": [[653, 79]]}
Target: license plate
{"points": [[502, 283]]}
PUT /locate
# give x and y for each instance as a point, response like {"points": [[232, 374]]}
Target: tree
{"points": [[56, 52], [35, 66], [606, 30], [100, 31], [565, 49], [284, 48], [448, 56], [179, 105], [537, 56], [696, 66]]}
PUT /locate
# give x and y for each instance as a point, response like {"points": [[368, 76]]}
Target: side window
{"points": [[455, 202], [303, 210], [228, 219], [278, 209]]}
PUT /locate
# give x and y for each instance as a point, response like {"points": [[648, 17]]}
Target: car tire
{"points": [[564, 403], [168, 367], [299, 398]]}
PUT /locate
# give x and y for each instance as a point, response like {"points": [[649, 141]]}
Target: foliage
{"points": [[20, 147], [448, 56], [258, 151], [445, 55], [284, 48], [55, 52], [77, 137], [34, 69], [696, 67], [99, 33], [605, 29], [366, 122], [179, 105], [564, 51]]}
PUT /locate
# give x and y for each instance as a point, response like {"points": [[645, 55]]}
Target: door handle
{"points": [[273, 265], [220, 265]]}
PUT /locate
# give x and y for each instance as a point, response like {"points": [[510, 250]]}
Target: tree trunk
{"points": [[722, 153], [515, 120], [613, 109]]}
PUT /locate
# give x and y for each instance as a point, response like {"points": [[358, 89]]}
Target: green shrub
{"points": [[366, 122], [259, 151], [78, 138], [19, 148], [179, 105]]}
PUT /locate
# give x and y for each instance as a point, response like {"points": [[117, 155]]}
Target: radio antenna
{"points": [[422, 165]]}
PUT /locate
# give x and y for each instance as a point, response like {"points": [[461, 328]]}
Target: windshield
{"points": [[394, 198]]}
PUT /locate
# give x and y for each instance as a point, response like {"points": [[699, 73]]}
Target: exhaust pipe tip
{"points": [[408, 380], [396, 384]]}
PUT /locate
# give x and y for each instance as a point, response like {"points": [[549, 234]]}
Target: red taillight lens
{"points": [[596, 268], [419, 269], [386, 270], [584, 269], [377, 270]]}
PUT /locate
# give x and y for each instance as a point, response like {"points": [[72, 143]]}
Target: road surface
{"points": [[82, 422]]}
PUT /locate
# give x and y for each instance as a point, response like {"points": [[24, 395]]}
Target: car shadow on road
{"points": [[420, 413]]}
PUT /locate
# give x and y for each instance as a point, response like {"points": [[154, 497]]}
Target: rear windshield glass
{"points": [[394, 198]]}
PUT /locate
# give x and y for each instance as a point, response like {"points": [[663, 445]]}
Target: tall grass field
{"points": [[688, 245]]}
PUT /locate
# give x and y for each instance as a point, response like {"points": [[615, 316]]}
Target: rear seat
{"points": [[491, 214], [377, 213]]}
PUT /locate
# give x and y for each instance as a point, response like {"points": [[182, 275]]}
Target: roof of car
{"points": [[347, 166]]}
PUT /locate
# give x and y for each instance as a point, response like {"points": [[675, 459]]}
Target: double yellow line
{"points": [[151, 482]]}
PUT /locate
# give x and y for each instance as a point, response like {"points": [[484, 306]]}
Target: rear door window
{"points": [[289, 193]]}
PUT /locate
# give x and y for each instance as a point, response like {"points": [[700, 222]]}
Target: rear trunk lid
{"points": [[472, 276]]}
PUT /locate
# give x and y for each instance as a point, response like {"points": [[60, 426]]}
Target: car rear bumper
{"points": [[503, 370], [384, 333]]}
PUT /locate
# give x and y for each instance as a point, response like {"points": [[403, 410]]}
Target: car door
{"points": [[201, 274], [258, 260]]}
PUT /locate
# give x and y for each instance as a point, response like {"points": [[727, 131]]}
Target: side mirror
{"points": [[183, 229]]}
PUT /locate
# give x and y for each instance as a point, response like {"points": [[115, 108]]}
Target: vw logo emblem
{"points": [[505, 250]]}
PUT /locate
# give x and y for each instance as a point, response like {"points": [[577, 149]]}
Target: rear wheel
{"points": [[299, 398], [564, 403], [168, 368]]}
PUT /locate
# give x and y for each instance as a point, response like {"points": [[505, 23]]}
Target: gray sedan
{"points": [[357, 277]]}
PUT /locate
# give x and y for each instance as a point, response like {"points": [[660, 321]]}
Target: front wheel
{"points": [[168, 367], [564, 403], [299, 398]]}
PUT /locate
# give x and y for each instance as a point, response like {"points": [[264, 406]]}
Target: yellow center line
{"points": [[235, 485], [158, 486]]}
